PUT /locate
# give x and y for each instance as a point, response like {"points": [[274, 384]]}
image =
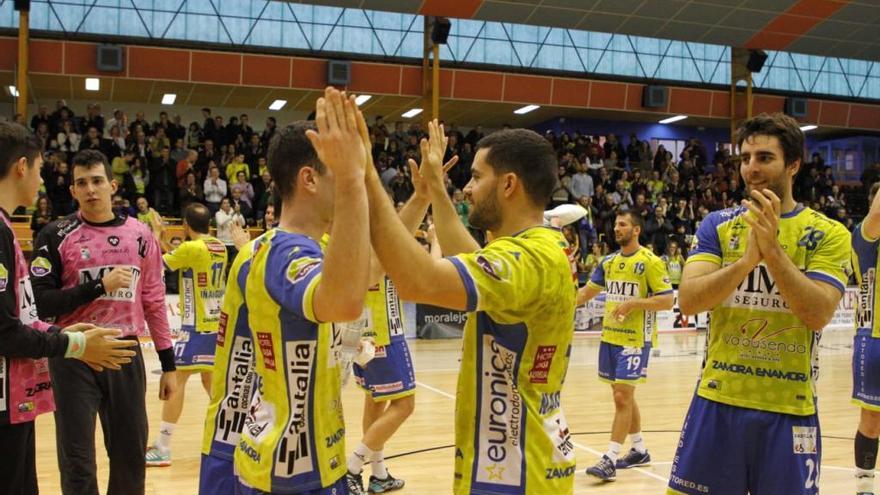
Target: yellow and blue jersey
{"points": [[383, 313], [511, 435], [864, 262], [759, 354], [637, 276], [294, 439], [202, 265], [233, 381]]}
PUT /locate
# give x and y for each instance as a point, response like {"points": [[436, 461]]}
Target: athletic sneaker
{"points": [[634, 459], [864, 485], [155, 457], [389, 484], [604, 470], [355, 483]]}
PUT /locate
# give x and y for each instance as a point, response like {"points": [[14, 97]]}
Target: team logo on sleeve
{"points": [[300, 268], [4, 277], [495, 268], [41, 267]]}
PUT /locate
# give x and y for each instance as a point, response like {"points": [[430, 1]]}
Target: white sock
{"points": [[358, 458], [638, 443], [379, 469], [613, 451], [165, 432], [864, 473]]}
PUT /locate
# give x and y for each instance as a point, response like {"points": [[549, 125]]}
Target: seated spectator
{"points": [[239, 206], [244, 188]]}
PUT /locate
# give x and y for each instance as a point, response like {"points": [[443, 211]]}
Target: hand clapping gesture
{"points": [[338, 142]]}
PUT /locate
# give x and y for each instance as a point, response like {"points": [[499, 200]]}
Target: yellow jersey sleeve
{"points": [[181, 257], [302, 267], [495, 277], [658, 277], [830, 262]]}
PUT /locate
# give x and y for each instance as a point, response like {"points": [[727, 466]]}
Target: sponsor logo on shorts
{"points": [[692, 485], [41, 267], [541, 365], [804, 439], [294, 454], [123, 294], [499, 455], [203, 358], [384, 388], [267, 349]]}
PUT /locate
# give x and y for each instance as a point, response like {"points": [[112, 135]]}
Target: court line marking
{"points": [[576, 444]]}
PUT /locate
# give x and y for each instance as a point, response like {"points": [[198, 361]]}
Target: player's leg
{"points": [[159, 454], [123, 413], [613, 367], [77, 399], [711, 452], [866, 449], [206, 382], [18, 472], [638, 454], [787, 454]]}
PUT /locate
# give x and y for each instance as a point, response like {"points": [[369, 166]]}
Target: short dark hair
{"points": [[289, 151], [783, 127], [527, 155], [91, 158], [634, 218], [16, 142], [197, 216]]}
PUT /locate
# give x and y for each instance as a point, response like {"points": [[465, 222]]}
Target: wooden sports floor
{"points": [[421, 451]]}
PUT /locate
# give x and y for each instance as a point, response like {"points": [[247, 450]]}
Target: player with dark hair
{"points": [[102, 268]]}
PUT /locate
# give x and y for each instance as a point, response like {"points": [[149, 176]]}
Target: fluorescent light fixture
{"points": [[673, 119], [277, 104], [13, 90], [93, 84], [809, 127], [169, 98], [411, 113], [361, 99], [526, 109]]}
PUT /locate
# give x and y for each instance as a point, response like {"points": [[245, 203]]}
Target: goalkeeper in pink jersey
{"points": [[102, 268]]}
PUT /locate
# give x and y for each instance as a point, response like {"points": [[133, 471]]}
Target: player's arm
{"points": [[814, 294], [871, 223], [46, 269], [594, 286], [704, 282], [153, 301], [453, 236], [339, 296]]}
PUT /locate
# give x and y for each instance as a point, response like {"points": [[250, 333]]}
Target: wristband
{"points": [[76, 345]]}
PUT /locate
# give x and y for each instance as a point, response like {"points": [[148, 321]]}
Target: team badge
{"points": [[113, 240], [84, 253], [4, 277], [41, 267]]}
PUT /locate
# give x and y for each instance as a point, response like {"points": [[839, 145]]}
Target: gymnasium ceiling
{"points": [[840, 28]]}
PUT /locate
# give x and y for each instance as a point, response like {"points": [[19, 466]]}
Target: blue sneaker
{"points": [[634, 459], [604, 470], [387, 485]]}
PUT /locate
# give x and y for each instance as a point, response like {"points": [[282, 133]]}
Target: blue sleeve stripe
{"points": [[469, 285], [828, 279]]}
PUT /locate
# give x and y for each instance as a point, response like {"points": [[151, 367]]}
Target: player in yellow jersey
{"points": [[201, 261], [771, 272], [511, 435], [388, 379], [294, 437], [637, 286], [233, 383], [866, 344]]}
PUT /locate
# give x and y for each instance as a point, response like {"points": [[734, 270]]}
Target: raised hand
{"points": [[433, 150], [338, 142], [763, 218], [420, 185]]}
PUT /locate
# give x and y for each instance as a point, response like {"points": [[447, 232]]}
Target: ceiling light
{"points": [[526, 109], [809, 127], [169, 98], [13, 90], [277, 104], [673, 119], [93, 84], [411, 113], [361, 99]]}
